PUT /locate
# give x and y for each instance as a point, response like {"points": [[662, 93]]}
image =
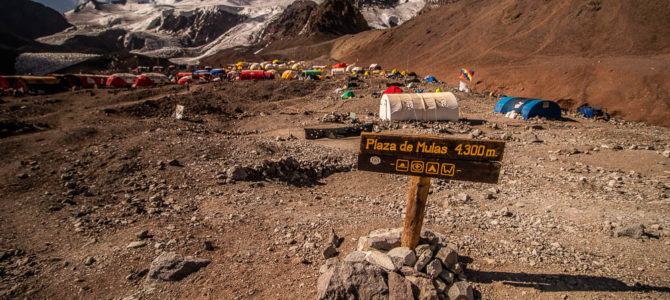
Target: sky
{"points": [[59, 5]]}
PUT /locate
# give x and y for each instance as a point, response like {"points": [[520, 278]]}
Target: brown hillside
{"points": [[614, 54]]}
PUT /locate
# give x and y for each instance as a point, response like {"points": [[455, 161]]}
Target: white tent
{"points": [[255, 66], [419, 107], [157, 78], [337, 71]]}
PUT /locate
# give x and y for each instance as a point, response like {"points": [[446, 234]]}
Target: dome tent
{"points": [[185, 79], [348, 95], [541, 108], [528, 107], [393, 90], [419, 107], [143, 81]]}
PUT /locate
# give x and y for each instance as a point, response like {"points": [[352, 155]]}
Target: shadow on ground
{"points": [[561, 282]]}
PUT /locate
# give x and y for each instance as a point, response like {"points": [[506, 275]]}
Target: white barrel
{"points": [[419, 107]]}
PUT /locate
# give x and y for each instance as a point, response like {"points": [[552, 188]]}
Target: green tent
{"points": [[348, 95], [310, 72]]}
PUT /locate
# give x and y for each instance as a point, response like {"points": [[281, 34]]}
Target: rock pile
{"points": [[290, 170], [381, 269]]}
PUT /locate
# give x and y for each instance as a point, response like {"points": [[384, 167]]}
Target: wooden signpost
{"points": [[424, 157]]}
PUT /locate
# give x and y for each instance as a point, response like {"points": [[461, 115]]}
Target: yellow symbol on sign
{"points": [[432, 168], [417, 166], [402, 165], [448, 169]]}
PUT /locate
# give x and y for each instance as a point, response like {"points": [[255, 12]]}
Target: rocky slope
{"points": [[30, 20]]}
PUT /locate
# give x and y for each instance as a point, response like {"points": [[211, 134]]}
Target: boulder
{"points": [[353, 280], [356, 256], [448, 257], [384, 239], [170, 266], [329, 251], [403, 256], [399, 287], [434, 268], [422, 261], [382, 260], [461, 291], [632, 231], [237, 172], [426, 288]]}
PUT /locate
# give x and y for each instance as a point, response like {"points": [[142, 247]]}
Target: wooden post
{"points": [[416, 209]]}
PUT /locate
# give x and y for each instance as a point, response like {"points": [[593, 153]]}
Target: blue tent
{"points": [[216, 72], [198, 72], [541, 108], [430, 78], [507, 104], [528, 107], [418, 91]]}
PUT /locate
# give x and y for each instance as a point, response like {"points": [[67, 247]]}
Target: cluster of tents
{"points": [[19, 84]]}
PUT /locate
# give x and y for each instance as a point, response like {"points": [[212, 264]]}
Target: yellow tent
{"points": [[394, 71], [403, 73], [366, 73], [276, 61], [287, 75], [438, 90]]}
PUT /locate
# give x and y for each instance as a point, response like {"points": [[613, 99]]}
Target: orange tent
{"points": [[116, 82], [340, 65]]}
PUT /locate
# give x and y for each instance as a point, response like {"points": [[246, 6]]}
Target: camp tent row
{"points": [[527, 108]]}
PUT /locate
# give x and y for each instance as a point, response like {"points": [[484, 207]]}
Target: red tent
{"points": [[269, 75], [143, 81], [393, 90], [185, 79], [252, 75], [3, 83], [340, 65], [180, 75], [116, 82]]}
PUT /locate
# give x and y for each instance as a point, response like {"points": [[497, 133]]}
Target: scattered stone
{"points": [[89, 260], [329, 263], [175, 163], [208, 246], [136, 244], [22, 175], [461, 291], [170, 266], [334, 239], [329, 251], [237, 172], [403, 256], [143, 234], [434, 268], [666, 153], [632, 231], [352, 280]]}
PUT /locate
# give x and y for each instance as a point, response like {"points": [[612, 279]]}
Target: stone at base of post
{"points": [[416, 209]]}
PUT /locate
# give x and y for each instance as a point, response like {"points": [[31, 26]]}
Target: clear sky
{"points": [[59, 5]]}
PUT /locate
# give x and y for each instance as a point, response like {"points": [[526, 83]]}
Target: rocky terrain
{"points": [[106, 195]]}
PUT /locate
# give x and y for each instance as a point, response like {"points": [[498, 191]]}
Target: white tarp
{"points": [[337, 71], [419, 107], [157, 78]]}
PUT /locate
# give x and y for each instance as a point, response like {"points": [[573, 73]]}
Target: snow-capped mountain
{"points": [[187, 30]]}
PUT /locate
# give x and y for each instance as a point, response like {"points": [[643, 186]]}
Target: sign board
{"points": [[432, 156]]}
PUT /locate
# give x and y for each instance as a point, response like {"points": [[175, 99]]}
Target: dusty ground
{"points": [[83, 172]]}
